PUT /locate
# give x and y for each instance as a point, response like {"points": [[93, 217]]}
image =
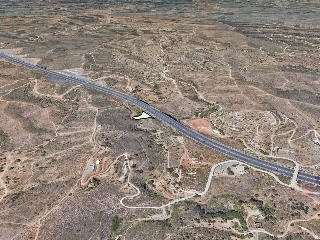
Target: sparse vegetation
{"points": [[3, 137], [51, 129], [266, 210], [220, 209], [300, 206], [115, 224], [93, 184], [156, 89], [205, 113], [15, 196]]}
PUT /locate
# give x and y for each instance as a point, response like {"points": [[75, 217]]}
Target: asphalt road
{"points": [[233, 153]]}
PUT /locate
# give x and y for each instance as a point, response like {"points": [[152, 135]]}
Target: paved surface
{"points": [[254, 161]]}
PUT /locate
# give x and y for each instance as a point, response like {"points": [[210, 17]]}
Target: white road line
{"points": [[170, 121]]}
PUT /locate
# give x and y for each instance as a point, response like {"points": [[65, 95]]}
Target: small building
{"points": [[258, 224]]}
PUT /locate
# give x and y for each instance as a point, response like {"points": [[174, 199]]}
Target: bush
{"points": [[115, 224]]}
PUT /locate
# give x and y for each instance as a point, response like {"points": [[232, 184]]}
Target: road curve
{"points": [[254, 161]]}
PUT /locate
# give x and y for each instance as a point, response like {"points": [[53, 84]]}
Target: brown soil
{"points": [[201, 125]]}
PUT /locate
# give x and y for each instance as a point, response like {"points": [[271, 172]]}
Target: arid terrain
{"points": [[74, 164]]}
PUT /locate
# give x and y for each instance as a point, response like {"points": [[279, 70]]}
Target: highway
{"points": [[233, 153]]}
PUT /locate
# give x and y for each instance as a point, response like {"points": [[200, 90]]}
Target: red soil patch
{"points": [[309, 186], [201, 125]]}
